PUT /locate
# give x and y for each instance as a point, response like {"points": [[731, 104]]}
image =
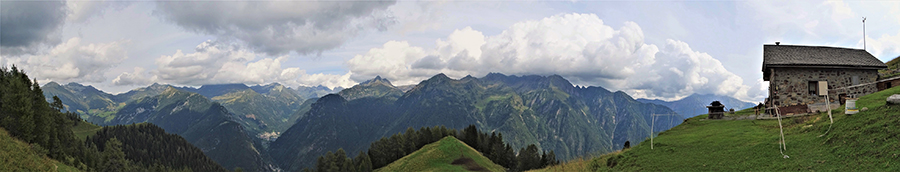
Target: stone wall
{"points": [[791, 85], [888, 83]]}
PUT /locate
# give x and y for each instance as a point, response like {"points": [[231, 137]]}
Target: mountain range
{"points": [[242, 119], [273, 126], [695, 104], [544, 110]]}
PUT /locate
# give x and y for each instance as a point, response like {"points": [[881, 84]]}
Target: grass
{"points": [[481, 104], [867, 141], [16, 155], [439, 155], [748, 111], [84, 129]]}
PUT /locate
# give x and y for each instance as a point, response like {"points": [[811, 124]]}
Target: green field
{"points": [[439, 155], [16, 155], [84, 129], [867, 141]]}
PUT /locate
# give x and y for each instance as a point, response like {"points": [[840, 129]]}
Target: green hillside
{"points": [[83, 129], [867, 141], [441, 156], [16, 155], [93, 105]]}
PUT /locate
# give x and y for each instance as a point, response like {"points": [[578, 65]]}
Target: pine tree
{"points": [[528, 158], [114, 157], [363, 162], [57, 104]]}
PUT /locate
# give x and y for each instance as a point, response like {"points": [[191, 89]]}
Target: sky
{"points": [[649, 49]]}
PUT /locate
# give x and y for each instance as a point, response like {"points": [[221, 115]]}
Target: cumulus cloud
{"points": [[579, 47], [73, 61], [201, 66], [886, 46], [279, 27], [137, 77], [28, 26], [681, 71], [218, 63]]}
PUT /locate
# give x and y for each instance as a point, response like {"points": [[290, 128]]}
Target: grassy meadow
{"points": [[867, 141]]}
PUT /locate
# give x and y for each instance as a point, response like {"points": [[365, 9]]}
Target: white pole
{"points": [[828, 104], [864, 33], [780, 127]]}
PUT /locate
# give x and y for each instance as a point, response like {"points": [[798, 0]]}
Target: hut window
{"points": [[813, 87], [855, 80]]}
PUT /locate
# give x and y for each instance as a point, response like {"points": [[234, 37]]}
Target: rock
{"points": [[864, 109], [894, 99]]}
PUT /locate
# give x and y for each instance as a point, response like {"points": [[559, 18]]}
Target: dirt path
{"points": [[468, 164]]}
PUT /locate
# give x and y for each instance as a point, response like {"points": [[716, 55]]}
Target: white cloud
{"points": [[135, 77], [697, 73], [886, 46], [220, 63], [279, 27], [579, 47], [72, 61]]}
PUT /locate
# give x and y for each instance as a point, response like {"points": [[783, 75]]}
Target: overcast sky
{"points": [[657, 49]]}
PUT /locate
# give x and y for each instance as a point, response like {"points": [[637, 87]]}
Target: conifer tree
{"points": [[114, 157]]}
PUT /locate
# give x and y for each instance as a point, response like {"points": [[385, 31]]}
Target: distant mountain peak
{"points": [[225, 85], [170, 90], [440, 77], [377, 80], [332, 98], [78, 87], [493, 74], [468, 77], [74, 84], [51, 83]]}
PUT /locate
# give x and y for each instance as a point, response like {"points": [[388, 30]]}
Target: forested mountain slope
{"points": [[202, 122]]}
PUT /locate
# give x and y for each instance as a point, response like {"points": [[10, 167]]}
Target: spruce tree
{"points": [[114, 157]]}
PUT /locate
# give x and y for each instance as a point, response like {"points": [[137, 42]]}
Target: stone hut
{"points": [[716, 110], [793, 72]]}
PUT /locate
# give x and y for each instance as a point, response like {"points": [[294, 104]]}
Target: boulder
{"points": [[864, 109], [894, 99]]}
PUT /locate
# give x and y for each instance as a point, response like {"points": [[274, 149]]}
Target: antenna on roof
{"points": [[864, 33]]}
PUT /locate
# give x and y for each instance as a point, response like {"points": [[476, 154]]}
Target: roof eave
{"points": [[765, 66]]}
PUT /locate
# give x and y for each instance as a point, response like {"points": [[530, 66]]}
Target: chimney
{"points": [[777, 43]]}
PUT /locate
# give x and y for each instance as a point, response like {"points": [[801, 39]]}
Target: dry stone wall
{"points": [[791, 85]]}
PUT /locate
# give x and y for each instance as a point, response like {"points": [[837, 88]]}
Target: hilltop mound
{"points": [[448, 154], [867, 141]]}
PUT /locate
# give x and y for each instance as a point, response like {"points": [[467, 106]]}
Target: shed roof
{"points": [[818, 56]]}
